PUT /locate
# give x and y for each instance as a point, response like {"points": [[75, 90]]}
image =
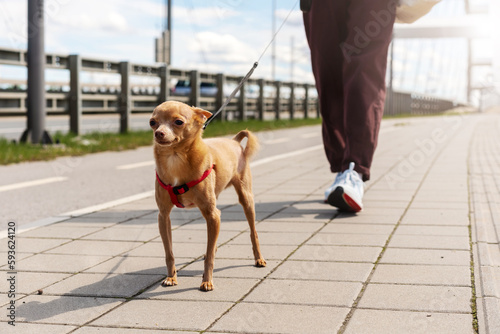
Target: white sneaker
{"points": [[346, 192]]}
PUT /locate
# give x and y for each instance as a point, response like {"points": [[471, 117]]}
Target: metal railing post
{"points": [[124, 105], [306, 101], [219, 97], [242, 103], [318, 107], [164, 83], [75, 94], [260, 101], [277, 102], [194, 97]]}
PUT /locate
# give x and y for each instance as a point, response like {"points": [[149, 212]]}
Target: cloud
{"points": [[202, 16], [295, 18], [222, 48]]}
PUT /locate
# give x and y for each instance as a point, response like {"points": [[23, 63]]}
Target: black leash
{"points": [[232, 94], [246, 77]]}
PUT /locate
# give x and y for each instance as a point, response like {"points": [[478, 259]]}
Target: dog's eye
{"points": [[152, 122], [178, 122]]}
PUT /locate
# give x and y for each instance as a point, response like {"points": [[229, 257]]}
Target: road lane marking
{"points": [[136, 165], [77, 213], [32, 183], [285, 155], [310, 135], [107, 205], [276, 141]]}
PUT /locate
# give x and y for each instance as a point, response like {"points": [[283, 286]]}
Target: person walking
{"points": [[349, 41]]}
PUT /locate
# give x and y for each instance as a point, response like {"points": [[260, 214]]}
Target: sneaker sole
{"points": [[344, 202]]}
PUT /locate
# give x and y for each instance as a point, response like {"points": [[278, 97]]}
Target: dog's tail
{"points": [[252, 144]]}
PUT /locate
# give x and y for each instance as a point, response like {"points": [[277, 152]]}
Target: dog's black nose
{"points": [[159, 135]]}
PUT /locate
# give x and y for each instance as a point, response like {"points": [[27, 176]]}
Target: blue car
{"points": [[183, 88]]}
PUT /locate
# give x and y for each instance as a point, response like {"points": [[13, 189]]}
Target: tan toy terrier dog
{"points": [[191, 172]]}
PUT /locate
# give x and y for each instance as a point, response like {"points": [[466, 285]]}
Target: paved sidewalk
{"points": [[423, 257]]}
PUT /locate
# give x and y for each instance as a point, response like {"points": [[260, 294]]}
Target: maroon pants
{"points": [[349, 40]]}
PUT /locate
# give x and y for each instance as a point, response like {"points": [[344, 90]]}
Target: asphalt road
{"points": [[33, 191], [12, 127]]}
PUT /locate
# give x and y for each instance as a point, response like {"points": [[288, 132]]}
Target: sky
{"points": [[228, 36]]}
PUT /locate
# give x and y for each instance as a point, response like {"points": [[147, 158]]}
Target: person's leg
{"points": [[325, 30], [370, 24]]}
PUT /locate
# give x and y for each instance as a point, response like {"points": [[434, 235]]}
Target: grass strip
{"points": [[72, 145]]}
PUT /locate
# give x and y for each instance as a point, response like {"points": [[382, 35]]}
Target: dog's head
{"points": [[174, 122]]}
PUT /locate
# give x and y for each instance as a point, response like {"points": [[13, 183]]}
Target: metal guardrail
{"points": [[259, 98], [398, 103]]}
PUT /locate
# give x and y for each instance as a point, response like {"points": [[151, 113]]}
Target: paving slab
{"points": [[277, 318], [181, 250], [273, 238], [4, 258], [230, 268], [135, 265], [490, 281], [59, 263], [164, 314], [337, 253], [273, 226], [118, 233], [348, 239], [30, 282], [226, 290], [429, 242], [102, 285], [490, 314], [199, 236], [370, 229], [63, 309], [398, 322], [95, 247], [426, 256], [422, 274], [457, 231], [111, 330], [429, 216], [65, 232], [140, 223], [334, 271], [226, 225], [36, 328], [33, 245], [417, 298], [309, 292], [119, 213], [270, 252]]}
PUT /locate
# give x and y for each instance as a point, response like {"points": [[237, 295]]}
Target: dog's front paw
{"points": [[207, 286], [260, 263], [169, 281]]}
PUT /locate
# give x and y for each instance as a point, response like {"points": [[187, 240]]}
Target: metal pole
{"points": [[36, 75], [273, 55], [169, 29], [292, 61]]}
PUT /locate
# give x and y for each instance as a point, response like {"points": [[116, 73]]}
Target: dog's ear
{"points": [[203, 114]]}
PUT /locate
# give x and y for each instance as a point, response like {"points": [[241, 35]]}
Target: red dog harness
{"points": [[182, 189]]}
